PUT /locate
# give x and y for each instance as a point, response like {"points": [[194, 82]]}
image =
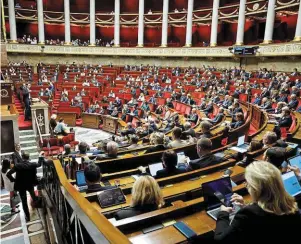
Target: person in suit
{"points": [[193, 117], [170, 160], [93, 179], [135, 111], [239, 121], [118, 103], [188, 131], [257, 100], [206, 158], [293, 103], [272, 211], [176, 138], [209, 108], [266, 104], [169, 103], [157, 140], [265, 93], [286, 118], [189, 100], [145, 107], [17, 154], [115, 112], [25, 179], [205, 129], [153, 99], [26, 99], [146, 197], [219, 117], [129, 131]]}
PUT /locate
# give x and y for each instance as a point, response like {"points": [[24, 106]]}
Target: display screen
{"points": [[111, 197]]}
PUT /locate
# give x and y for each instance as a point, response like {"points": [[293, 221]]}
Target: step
{"points": [[26, 132], [28, 143]]}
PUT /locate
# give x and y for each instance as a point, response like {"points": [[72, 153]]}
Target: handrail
{"points": [[38, 127]]}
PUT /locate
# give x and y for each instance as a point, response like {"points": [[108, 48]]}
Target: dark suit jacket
{"points": [[26, 174], [235, 125], [156, 148], [187, 133], [97, 187], [208, 109], [133, 211], [204, 161], [293, 104], [286, 121], [16, 157], [257, 101], [169, 172], [218, 118], [193, 118], [252, 223]]}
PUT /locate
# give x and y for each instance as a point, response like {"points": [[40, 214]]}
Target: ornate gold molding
{"points": [[285, 49]]}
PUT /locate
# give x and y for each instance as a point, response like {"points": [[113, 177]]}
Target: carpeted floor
{"points": [[24, 125]]}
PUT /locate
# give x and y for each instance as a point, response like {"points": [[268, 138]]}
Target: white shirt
{"points": [[8, 185]]}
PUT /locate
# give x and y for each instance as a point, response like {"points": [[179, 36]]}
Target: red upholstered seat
{"points": [[72, 141], [293, 125]]}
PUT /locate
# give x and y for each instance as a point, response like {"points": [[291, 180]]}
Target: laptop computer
{"points": [[295, 161], [215, 192], [81, 180], [291, 184], [241, 146], [111, 197], [154, 168]]}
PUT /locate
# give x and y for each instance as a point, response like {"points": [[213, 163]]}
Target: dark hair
{"points": [[82, 147], [276, 156], [170, 158], [92, 173], [177, 132], [255, 145], [25, 155], [61, 120], [5, 165], [134, 139]]}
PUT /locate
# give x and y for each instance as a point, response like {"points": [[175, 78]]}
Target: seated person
{"points": [[276, 156], [193, 117], [266, 104], [205, 129], [145, 106], [115, 112], [188, 131], [170, 160], [176, 139], [132, 102], [206, 158], [110, 149], [209, 108], [78, 98], [254, 146], [218, 118], [157, 140], [111, 94], [61, 128], [153, 99], [91, 109], [146, 197], [135, 111], [257, 100], [110, 107], [293, 103], [93, 179], [125, 110], [83, 147], [64, 98], [239, 121], [129, 131], [134, 142], [272, 212]]}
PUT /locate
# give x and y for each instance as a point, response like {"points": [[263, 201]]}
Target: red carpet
{"points": [[24, 125]]}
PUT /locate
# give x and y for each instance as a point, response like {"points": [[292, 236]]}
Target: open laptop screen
{"points": [[80, 178], [222, 186], [295, 161], [291, 184], [154, 168], [181, 157], [241, 140], [111, 197]]}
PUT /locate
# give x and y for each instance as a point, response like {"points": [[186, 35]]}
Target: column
{"points": [[12, 21], [269, 25], [141, 24], [298, 27], [92, 23], [214, 24], [241, 23], [189, 24], [117, 24], [67, 22], [41, 22], [164, 24]]}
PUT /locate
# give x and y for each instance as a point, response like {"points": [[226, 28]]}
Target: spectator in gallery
{"points": [[150, 12], [272, 211], [146, 197]]}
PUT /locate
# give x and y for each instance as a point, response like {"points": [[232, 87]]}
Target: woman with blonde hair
{"points": [[146, 197], [272, 216]]}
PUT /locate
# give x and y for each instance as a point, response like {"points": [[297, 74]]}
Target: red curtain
{"points": [[129, 34], [50, 5], [204, 32], [129, 6], [79, 6], [291, 22], [106, 33], [80, 32], [153, 34], [179, 34], [55, 31], [27, 3], [31, 29], [180, 4]]}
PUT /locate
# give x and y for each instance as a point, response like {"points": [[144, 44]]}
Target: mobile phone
{"points": [[184, 229]]}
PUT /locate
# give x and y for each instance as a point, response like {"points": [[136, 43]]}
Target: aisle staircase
{"points": [[23, 125], [28, 144]]}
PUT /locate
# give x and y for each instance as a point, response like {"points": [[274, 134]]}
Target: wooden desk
{"points": [[90, 120], [110, 123], [69, 118], [178, 188]]}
